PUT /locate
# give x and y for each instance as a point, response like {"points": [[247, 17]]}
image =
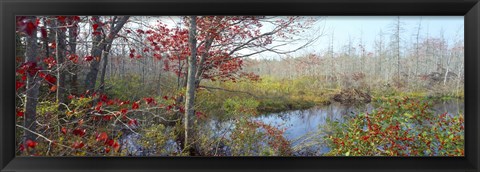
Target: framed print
{"points": [[239, 86]]}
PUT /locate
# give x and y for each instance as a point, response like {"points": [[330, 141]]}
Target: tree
{"points": [[60, 51], [99, 45], [73, 31], [33, 81], [191, 84], [221, 44]]}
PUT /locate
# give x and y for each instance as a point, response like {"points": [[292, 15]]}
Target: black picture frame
{"points": [[468, 8]]}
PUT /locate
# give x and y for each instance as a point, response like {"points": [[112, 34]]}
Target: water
{"points": [[299, 125], [300, 122]]}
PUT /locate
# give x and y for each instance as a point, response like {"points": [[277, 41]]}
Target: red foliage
{"points": [[135, 105], [78, 145], [95, 26], [102, 137], [73, 58], [132, 122], [31, 144], [150, 100], [30, 28], [79, 132], [88, 58], [44, 32], [64, 130], [20, 113], [50, 61], [19, 84]]}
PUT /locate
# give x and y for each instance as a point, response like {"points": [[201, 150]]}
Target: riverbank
{"points": [[278, 95]]}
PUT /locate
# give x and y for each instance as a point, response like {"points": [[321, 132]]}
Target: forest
{"points": [[235, 86]]}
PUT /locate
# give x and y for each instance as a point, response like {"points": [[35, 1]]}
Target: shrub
{"points": [[399, 127]]}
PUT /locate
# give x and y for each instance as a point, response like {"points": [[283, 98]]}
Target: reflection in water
{"points": [[299, 125], [300, 122]]}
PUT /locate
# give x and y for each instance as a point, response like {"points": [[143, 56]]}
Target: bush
{"points": [[399, 127]]}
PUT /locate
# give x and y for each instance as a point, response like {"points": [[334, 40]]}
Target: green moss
{"points": [[279, 105]]}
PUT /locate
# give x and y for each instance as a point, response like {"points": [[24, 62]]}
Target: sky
{"points": [[367, 29]]}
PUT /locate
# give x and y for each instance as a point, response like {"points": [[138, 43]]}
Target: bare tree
{"points": [[33, 85]]}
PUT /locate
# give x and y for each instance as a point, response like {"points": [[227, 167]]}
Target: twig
{"points": [[39, 135]]}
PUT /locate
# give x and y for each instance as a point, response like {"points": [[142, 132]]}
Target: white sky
{"points": [[367, 28]]}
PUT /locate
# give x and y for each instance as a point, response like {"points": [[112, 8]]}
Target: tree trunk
{"points": [[33, 85], [190, 93], [97, 48], [104, 67], [60, 54], [72, 42], [99, 45]]}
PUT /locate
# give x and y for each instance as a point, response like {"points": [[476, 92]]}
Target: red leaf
{"points": [[198, 114], [44, 32], [124, 103], [107, 149], [78, 145], [64, 130], [61, 18], [132, 122], [110, 142], [98, 106], [21, 148], [124, 111], [107, 117], [31, 68], [150, 100], [31, 144], [53, 88], [116, 146], [51, 79], [71, 97], [135, 105], [95, 26], [79, 132], [110, 102], [30, 28], [88, 58], [19, 85], [52, 45], [20, 113], [103, 98], [102, 137], [76, 18], [50, 61], [73, 58]]}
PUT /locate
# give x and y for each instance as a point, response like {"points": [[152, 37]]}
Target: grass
{"points": [[272, 94]]}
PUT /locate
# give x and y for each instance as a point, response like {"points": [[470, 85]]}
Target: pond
{"points": [[299, 125], [302, 123]]}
